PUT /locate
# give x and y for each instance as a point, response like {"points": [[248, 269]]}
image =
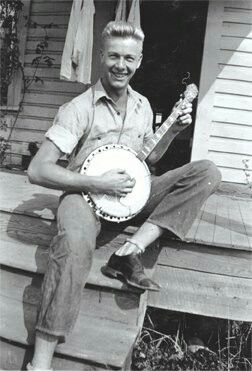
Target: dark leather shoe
{"points": [[130, 268]]}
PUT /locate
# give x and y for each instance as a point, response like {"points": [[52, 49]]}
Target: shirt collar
{"points": [[99, 93]]}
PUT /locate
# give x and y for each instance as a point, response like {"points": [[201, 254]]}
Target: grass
{"points": [[178, 341]]}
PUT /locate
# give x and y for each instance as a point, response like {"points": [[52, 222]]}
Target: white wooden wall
{"points": [[223, 128]]}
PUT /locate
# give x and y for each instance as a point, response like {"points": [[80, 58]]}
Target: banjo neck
{"points": [[167, 126]]}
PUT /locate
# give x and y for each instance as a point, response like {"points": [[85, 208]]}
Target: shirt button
{"points": [[118, 113]]}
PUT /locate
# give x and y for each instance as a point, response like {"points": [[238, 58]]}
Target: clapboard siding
{"points": [[234, 73], [42, 100], [226, 99], [243, 88], [229, 160]]}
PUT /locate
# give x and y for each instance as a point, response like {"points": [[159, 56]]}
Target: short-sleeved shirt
{"points": [[91, 120]]}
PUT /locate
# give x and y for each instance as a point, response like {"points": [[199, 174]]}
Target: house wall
{"points": [[223, 128], [42, 100]]}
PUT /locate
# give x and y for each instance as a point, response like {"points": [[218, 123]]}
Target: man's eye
{"points": [[130, 59]]}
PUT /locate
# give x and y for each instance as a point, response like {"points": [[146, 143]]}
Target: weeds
{"points": [[226, 344]]}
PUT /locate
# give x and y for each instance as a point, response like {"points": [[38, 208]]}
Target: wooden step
{"points": [[202, 293], [105, 331], [24, 243], [15, 356], [223, 221]]}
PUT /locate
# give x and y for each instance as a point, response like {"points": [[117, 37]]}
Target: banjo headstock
{"points": [[190, 93]]}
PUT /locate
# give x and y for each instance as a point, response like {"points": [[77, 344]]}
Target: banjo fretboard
{"points": [[190, 93]]}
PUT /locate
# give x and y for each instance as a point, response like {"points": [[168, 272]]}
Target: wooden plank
{"points": [[60, 20], [204, 294], [241, 4], [209, 71], [236, 44], [236, 30], [245, 213], [52, 73], [57, 86], [52, 7], [239, 16], [15, 87], [26, 135], [25, 241], [46, 98], [34, 258], [235, 73], [230, 145], [220, 129], [233, 175], [190, 236], [238, 226], [26, 230], [53, 46], [14, 357], [208, 259], [35, 123], [52, 33], [235, 58], [115, 306], [219, 225], [233, 87], [90, 347], [222, 231], [18, 148], [206, 227], [30, 199], [233, 101], [228, 159], [39, 111], [29, 57], [231, 115]]}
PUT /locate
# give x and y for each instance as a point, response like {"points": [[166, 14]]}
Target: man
{"points": [[109, 112]]}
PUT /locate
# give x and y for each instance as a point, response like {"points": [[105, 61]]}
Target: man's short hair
{"points": [[122, 29]]}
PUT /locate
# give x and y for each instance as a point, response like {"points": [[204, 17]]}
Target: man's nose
{"points": [[121, 63]]}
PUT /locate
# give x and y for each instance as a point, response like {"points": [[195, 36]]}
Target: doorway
{"points": [[174, 39]]}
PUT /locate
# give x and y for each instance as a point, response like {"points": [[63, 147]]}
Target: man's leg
{"points": [[70, 260], [176, 199]]}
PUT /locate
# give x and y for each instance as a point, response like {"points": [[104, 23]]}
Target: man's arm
{"points": [[181, 123], [44, 171]]}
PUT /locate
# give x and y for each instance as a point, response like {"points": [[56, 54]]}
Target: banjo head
{"points": [[115, 208]]}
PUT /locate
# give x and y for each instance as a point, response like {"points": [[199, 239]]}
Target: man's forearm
{"points": [[53, 176]]}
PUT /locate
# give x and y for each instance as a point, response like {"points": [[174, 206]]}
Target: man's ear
{"points": [[140, 61]]}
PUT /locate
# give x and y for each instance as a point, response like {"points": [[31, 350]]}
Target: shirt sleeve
{"points": [[66, 129]]}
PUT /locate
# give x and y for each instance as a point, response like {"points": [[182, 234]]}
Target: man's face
{"points": [[120, 57]]}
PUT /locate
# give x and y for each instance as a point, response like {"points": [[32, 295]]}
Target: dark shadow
{"points": [[32, 222], [227, 223]]}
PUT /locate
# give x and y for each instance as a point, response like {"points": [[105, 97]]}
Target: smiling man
{"points": [[108, 112]]}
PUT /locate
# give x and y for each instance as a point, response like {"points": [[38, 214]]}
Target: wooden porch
{"points": [[209, 275]]}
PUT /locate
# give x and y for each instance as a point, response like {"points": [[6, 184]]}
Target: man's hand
{"points": [[185, 117], [115, 182]]}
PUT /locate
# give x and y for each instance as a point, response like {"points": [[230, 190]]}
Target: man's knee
{"points": [[211, 172]]}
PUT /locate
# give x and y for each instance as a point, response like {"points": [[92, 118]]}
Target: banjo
{"points": [[119, 209]]}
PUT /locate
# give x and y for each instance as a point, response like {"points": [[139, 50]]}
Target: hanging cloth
{"points": [[134, 14], [121, 11], [76, 62]]}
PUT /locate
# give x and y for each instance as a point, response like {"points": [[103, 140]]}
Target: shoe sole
{"points": [[113, 273]]}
